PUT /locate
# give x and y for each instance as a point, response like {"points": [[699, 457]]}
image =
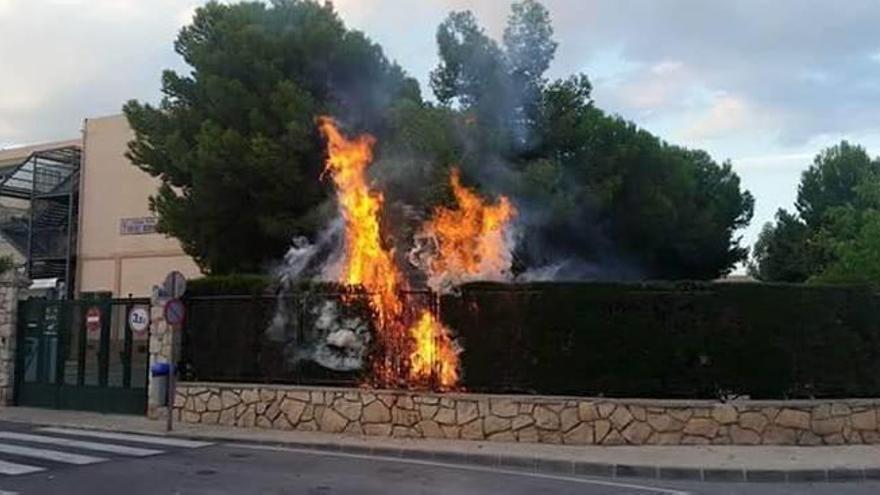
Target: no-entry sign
{"points": [[93, 323], [175, 312]]}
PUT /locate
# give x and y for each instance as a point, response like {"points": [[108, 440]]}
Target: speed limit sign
{"points": [[139, 320]]}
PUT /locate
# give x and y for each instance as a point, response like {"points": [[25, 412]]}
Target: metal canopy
{"points": [[44, 230]]}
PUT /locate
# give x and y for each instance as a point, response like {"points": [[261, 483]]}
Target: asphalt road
{"points": [[72, 462]]}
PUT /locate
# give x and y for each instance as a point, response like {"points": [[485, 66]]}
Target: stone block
{"points": [[637, 433], [331, 421], [404, 417], [793, 418], [472, 430], [703, 427], [353, 428], [504, 408], [404, 432], [300, 395], [317, 397], [267, 394], [822, 411], [621, 417], [546, 418], [866, 420], [777, 435], [528, 434], [581, 434], [587, 411], [613, 438], [522, 421], [308, 426], [429, 429], [548, 436], [664, 423], [809, 438], [494, 424], [445, 416], [724, 414], [249, 396], [348, 409], [376, 412], [214, 404], [681, 414], [744, 436], [754, 421], [450, 431], [838, 409], [427, 411], [638, 412], [605, 409], [466, 411], [502, 436], [601, 427], [405, 402], [569, 418], [828, 426], [292, 409], [834, 439]]}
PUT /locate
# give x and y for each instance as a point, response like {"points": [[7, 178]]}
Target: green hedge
{"points": [[687, 340]]}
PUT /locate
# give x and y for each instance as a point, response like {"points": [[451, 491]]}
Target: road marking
{"points": [[51, 455], [79, 444], [13, 468], [571, 479], [171, 442]]}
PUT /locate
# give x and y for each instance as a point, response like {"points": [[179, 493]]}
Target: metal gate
{"points": [[82, 354]]}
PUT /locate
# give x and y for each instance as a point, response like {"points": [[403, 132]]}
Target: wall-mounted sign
{"points": [[139, 321], [93, 323], [137, 226]]}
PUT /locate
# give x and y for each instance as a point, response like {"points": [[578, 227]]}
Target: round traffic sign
{"points": [[174, 285], [93, 322], [175, 312], [139, 320]]}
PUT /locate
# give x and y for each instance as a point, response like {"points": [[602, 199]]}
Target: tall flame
{"points": [[365, 261], [414, 352], [470, 241]]}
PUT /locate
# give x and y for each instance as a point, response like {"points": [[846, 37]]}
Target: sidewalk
{"points": [[708, 463]]}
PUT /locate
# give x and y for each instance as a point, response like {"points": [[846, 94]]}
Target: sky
{"points": [[764, 84]]}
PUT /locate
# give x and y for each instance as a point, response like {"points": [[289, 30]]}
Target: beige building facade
{"points": [[117, 249]]}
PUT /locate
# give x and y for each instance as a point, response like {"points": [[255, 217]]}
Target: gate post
{"points": [[12, 288], [160, 349]]}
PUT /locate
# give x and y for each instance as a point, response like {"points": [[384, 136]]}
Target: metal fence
{"points": [[299, 338]]}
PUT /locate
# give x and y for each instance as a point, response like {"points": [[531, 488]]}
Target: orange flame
{"points": [[435, 356], [415, 353], [470, 240]]}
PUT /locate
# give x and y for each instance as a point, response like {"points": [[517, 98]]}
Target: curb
{"points": [[545, 465], [535, 464]]}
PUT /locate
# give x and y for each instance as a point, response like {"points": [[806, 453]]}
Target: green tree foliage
{"points": [[830, 239], [234, 141], [596, 186], [234, 144]]}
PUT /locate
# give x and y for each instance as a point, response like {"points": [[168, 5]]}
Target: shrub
{"points": [[669, 340], [234, 284]]}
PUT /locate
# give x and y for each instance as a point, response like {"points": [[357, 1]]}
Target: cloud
{"points": [[728, 113]]}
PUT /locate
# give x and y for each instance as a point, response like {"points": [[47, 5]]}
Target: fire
{"points": [[413, 352], [470, 241], [365, 261], [435, 357]]}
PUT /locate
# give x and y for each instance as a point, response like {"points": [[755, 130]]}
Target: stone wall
{"points": [[530, 418], [12, 286]]}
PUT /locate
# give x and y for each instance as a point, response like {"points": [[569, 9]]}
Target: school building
{"points": [[74, 215]]}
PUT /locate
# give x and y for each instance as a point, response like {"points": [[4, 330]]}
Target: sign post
{"points": [[175, 311], [93, 323]]}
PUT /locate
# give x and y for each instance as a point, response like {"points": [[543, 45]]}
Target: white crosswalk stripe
{"points": [[49, 455], [79, 444], [13, 468], [128, 437]]}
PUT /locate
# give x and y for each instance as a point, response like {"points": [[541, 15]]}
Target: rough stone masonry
{"points": [[535, 419]]}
